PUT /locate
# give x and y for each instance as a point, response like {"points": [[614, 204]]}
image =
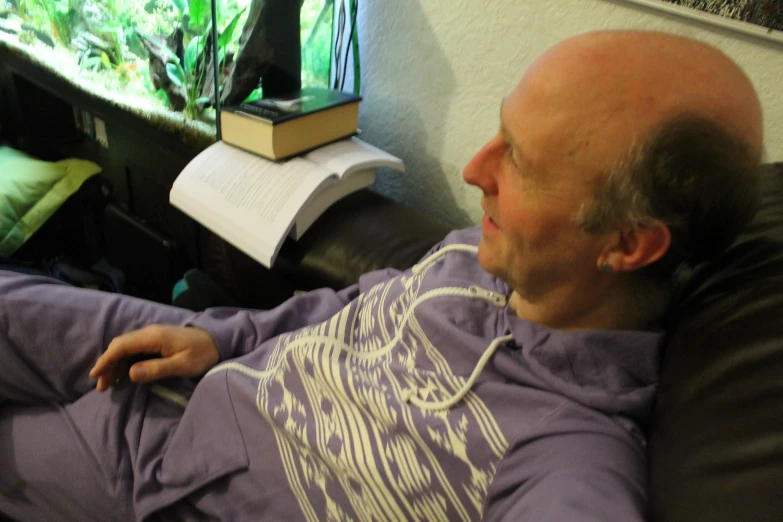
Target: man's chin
{"points": [[487, 256]]}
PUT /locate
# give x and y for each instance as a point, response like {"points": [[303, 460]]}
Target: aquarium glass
{"points": [[316, 19], [155, 57]]}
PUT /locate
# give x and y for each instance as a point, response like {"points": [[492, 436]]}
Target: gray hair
{"points": [[694, 176], [691, 174]]}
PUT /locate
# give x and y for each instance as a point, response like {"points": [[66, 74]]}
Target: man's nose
{"points": [[482, 169]]}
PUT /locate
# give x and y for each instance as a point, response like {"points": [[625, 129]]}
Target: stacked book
{"points": [[281, 163]]}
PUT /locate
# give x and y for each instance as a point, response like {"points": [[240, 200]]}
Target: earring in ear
{"points": [[606, 268]]}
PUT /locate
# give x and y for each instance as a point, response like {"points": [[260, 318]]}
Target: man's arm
{"points": [[239, 331], [51, 334], [208, 337], [578, 476], [219, 334]]}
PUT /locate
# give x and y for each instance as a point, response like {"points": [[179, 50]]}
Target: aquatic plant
{"points": [[162, 18], [113, 21], [114, 35], [188, 76], [24, 8], [316, 19], [226, 38], [27, 37], [32, 11], [181, 5], [61, 17], [190, 72]]}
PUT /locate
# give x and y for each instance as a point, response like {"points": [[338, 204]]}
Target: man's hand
{"points": [[184, 352]]}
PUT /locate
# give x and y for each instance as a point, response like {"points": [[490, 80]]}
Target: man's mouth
{"points": [[488, 224]]}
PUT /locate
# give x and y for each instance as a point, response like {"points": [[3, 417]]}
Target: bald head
{"points": [[630, 150], [666, 129], [625, 83]]}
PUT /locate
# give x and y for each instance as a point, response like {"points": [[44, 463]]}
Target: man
{"points": [[508, 375]]}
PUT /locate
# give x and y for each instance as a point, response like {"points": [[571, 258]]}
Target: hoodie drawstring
{"points": [[454, 399]]}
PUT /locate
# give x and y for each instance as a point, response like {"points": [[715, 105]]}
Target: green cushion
{"points": [[32, 190]]}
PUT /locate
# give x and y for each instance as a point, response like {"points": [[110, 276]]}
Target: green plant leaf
{"points": [[256, 94], [192, 52], [116, 31], [91, 63], [199, 14], [203, 99], [175, 74], [228, 32], [162, 96], [180, 5], [62, 7], [169, 53]]}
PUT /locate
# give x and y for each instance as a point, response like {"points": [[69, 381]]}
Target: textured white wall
{"points": [[434, 72]]}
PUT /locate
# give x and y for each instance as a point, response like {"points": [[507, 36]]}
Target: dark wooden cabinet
{"points": [[142, 234]]}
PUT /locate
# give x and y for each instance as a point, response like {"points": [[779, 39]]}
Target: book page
{"points": [[213, 215], [326, 197], [348, 156], [258, 196]]}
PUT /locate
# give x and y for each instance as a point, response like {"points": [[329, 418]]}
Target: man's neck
{"points": [[610, 312]]}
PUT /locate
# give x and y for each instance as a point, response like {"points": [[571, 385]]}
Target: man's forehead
{"points": [[545, 119], [548, 143], [573, 110]]}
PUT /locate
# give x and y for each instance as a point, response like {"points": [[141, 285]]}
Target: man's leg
{"points": [[51, 335], [68, 452], [82, 461], [51, 471]]}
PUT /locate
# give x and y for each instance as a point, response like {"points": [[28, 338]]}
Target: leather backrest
{"points": [[716, 445], [358, 234]]}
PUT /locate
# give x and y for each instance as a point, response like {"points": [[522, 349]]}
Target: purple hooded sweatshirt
{"points": [[411, 396]]}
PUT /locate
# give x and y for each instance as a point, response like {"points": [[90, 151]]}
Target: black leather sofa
{"points": [[716, 448], [716, 440]]}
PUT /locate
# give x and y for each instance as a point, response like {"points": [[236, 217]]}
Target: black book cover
{"points": [[305, 101]]}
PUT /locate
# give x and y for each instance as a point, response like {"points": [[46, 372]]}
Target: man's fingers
{"points": [[156, 369], [146, 340], [104, 382], [184, 351]]}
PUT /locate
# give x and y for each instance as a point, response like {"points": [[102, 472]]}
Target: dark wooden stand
{"points": [[151, 241]]}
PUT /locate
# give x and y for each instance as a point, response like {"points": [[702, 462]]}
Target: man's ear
{"points": [[637, 247]]}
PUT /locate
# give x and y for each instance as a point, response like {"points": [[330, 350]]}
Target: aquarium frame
{"points": [[60, 87], [348, 44], [215, 66]]}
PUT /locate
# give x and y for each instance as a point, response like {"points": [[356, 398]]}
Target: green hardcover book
{"points": [[278, 128]]}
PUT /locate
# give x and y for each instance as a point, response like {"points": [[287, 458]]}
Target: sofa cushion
{"points": [[716, 443], [31, 191]]}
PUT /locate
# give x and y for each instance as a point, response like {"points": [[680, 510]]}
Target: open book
{"points": [[254, 203]]}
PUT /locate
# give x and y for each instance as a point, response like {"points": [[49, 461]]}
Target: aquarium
{"points": [[162, 59]]}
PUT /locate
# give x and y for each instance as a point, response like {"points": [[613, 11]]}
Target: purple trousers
{"points": [[68, 452]]}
